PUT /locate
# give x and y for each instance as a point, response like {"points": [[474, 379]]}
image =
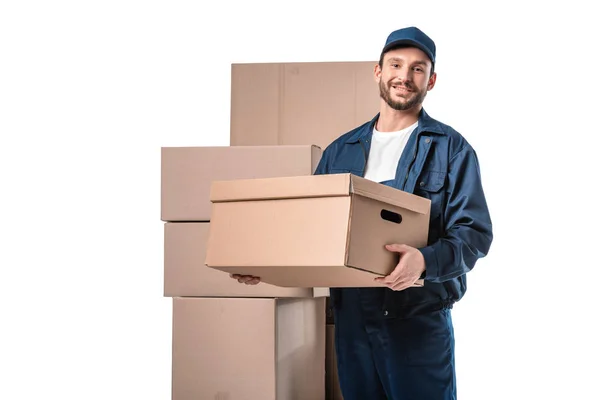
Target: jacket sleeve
{"points": [[468, 226]]}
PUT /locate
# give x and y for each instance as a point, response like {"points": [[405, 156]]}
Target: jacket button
{"points": [[385, 313], [422, 183], [427, 140]]}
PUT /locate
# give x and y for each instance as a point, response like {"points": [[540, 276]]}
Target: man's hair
{"points": [[383, 54]]}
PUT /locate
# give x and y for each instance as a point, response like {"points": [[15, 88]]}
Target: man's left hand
{"points": [[408, 270]]}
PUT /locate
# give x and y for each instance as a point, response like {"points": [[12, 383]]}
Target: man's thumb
{"points": [[395, 247]]}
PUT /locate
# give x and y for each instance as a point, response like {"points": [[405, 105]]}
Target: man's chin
{"points": [[402, 97], [400, 104]]}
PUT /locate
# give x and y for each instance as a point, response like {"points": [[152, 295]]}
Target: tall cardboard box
{"points": [[300, 103], [185, 273], [248, 349], [187, 173], [313, 231]]}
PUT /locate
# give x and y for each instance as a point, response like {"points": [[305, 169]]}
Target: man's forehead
{"points": [[407, 53]]}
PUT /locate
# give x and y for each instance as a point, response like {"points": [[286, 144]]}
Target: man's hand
{"points": [[408, 270], [247, 279]]}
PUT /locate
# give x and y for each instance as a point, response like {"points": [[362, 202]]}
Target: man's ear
{"points": [[431, 82], [377, 73]]}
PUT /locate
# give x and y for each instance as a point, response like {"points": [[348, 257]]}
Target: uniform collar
{"points": [[426, 124]]}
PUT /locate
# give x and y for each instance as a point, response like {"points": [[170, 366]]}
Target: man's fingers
{"points": [[396, 274], [398, 248], [396, 285], [399, 286], [247, 279]]}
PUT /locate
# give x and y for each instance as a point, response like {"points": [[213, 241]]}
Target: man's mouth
{"points": [[401, 88]]}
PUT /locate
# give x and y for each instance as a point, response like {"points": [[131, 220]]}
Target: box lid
{"points": [[314, 186]]}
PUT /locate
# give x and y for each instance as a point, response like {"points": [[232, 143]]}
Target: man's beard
{"points": [[416, 99]]}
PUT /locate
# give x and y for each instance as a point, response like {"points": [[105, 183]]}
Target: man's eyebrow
{"points": [[395, 59]]}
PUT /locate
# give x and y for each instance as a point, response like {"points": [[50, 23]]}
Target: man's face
{"points": [[404, 78]]}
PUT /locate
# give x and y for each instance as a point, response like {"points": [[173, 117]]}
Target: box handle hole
{"points": [[391, 216]]}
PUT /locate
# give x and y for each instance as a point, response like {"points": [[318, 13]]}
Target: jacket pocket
{"points": [[431, 181], [431, 186]]}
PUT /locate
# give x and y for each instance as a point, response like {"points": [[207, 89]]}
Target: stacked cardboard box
{"points": [[229, 339], [234, 341], [300, 103]]}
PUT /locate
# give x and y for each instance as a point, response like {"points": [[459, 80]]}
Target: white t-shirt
{"points": [[385, 152]]}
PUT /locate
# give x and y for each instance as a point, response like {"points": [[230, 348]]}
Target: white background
{"points": [[91, 90]]}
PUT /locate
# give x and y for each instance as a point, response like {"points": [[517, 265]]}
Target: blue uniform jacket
{"points": [[438, 164]]}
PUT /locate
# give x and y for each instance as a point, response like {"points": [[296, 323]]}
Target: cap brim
{"points": [[407, 42]]}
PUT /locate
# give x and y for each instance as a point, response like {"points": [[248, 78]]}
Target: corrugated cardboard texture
{"points": [[187, 275], [300, 103], [187, 173], [312, 241], [248, 349]]}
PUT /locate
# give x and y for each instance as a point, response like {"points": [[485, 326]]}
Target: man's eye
{"points": [[418, 69]]}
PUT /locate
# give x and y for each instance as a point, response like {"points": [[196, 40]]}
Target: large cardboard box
{"points": [[187, 172], [248, 349], [300, 103], [187, 275], [313, 231], [332, 382]]}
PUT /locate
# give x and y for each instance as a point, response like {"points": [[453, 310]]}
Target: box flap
{"points": [[387, 194], [280, 188]]}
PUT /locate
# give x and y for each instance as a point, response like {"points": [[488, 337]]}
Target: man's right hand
{"points": [[247, 279]]}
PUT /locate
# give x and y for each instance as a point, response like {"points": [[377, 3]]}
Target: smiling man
{"points": [[397, 341]]}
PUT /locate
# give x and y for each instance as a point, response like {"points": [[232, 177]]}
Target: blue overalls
{"points": [[400, 344]]}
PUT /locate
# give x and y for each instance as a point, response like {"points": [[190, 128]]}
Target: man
{"points": [[397, 341]]}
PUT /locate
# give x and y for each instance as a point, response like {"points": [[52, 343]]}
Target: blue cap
{"points": [[413, 37]]}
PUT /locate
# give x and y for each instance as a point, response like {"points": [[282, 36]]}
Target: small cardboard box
{"points": [[300, 103], [187, 275], [226, 348], [187, 172], [313, 231]]}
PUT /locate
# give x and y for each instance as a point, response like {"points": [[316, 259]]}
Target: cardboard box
{"points": [[248, 349], [187, 275], [300, 103], [187, 172], [313, 231], [332, 382]]}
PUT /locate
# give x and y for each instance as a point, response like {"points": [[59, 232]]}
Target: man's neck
{"points": [[391, 120]]}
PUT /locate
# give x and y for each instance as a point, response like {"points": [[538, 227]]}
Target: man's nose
{"points": [[403, 74]]}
